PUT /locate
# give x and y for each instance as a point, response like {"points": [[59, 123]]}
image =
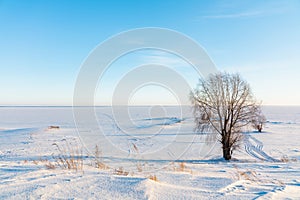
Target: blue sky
{"points": [[43, 44]]}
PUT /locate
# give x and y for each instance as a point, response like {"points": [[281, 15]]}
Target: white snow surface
{"points": [[156, 141]]}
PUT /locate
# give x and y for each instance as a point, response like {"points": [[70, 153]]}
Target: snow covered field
{"points": [[154, 156]]}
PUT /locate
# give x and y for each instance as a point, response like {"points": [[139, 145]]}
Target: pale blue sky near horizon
{"points": [[43, 43]]}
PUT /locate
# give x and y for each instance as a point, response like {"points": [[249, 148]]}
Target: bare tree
{"points": [[259, 121], [223, 104]]}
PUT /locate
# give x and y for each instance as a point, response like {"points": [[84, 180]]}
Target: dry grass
{"points": [[248, 174], [46, 162], [181, 167], [139, 167], [50, 165], [120, 171], [36, 162], [286, 159], [153, 178], [253, 176], [142, 166], [135, 148], [69, 157], [98, 159]]}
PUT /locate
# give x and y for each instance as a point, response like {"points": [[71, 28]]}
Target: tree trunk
{"points": [[226, 147], [226, 153], [259, 127]]}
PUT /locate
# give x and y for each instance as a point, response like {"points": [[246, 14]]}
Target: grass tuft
{"points": [[120, 171], [69, 156], [50, 165], [248, 174], [286, 159]]}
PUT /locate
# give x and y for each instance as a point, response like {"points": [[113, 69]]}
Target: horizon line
{"points": [[106, 105]]}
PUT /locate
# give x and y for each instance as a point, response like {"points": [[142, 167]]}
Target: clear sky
{"points": [[43, 43]]}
